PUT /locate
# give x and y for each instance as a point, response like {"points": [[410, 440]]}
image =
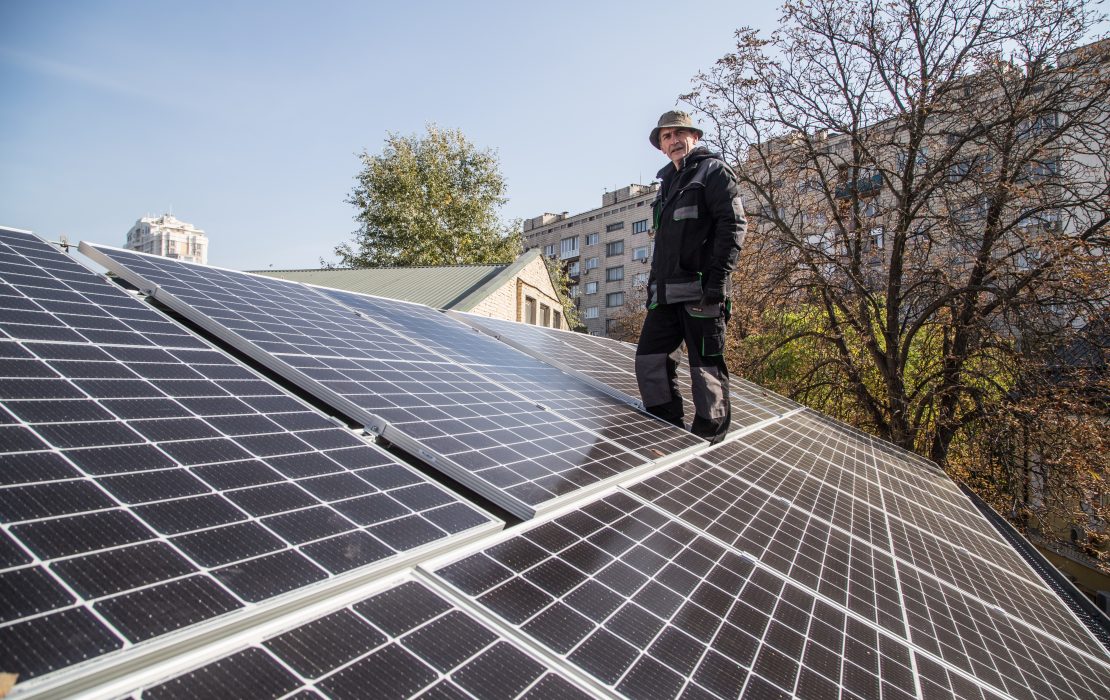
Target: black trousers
{"points": [[657, 355]]}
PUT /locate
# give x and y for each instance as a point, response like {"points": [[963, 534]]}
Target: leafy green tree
{"points": [[430, 199]]}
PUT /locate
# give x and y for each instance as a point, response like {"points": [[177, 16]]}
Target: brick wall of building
{"points": [[510, 301]]}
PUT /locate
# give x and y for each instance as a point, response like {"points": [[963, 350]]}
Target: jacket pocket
{"points": [[699, 310], [684, 213], [682, 290]]}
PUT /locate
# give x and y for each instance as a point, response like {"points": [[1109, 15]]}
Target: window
{"points": [[549, 250], [614, 299], [591, 288], [1040, 125], [1048, 220], [640, 253], [574, 291], [568, 247], [572, 269], [1041, 169], [592, 263], [614, 248], [640, 279], [545, 315], [876, 235], [614, 274], [639, 226], [591, 238], [920, 159], [971, 212], [529, 310], [557, 320], [615, 226], [612, 325], [591, 312]]}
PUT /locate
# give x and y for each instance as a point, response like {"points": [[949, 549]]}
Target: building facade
{"points": [[520, 291], [606, 251], [167, 236]]}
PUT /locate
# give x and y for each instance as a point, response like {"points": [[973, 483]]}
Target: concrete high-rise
{"points": [[170, 238], [607, 252]]}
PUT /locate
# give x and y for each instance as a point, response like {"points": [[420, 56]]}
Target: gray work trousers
{"points": [[665, 328]]}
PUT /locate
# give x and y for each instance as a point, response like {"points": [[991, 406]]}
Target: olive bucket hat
{"points": [[675, 120]]}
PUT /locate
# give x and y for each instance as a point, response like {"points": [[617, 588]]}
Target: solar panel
{"points": [[808, 494], [567, 395], [652, 606], [605, 361], [404, 641], [146, 489], [151, 482], [494, 439], [610, 364]]}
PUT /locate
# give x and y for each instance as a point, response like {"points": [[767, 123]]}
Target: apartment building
{"points": [[167, 236], [1042, 165], [606, 251]]}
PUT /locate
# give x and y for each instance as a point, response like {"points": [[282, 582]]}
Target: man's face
{"points": [[676, 143]]}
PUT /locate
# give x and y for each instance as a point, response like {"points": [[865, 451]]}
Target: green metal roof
{"points": [[458, 287]]}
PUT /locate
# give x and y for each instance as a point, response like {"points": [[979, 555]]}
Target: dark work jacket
{"points": [[699, 229]]}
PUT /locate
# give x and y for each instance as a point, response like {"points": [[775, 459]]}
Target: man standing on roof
{"points": [[699, 229]]}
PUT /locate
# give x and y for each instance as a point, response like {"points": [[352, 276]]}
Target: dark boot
{"points": [[670, 412], [712, 430]]}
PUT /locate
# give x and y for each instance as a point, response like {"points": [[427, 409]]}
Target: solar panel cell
{"points": [[117, 570], [256, 580], [40, 645], [249, 673], [182, 515], [224, 544], [156, 610]]}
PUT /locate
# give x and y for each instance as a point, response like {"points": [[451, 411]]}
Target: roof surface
{"points": [[448, 287]]}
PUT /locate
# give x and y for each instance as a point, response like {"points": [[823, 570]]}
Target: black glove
{"points": [[713, 294]]}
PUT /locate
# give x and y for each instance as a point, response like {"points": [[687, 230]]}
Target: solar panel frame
{"points": [[578, 461], [813, 484], [78, 539], [402, 630], [520, 576], [992, 583], [609, 364], [567, 393]]}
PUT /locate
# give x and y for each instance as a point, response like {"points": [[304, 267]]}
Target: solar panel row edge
{"points": [[476, 323], [517, 550], [170, 662], [370, 421], [374, 423], [87, 280]]}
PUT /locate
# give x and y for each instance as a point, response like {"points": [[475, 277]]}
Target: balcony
{"points": [[862, 187]]}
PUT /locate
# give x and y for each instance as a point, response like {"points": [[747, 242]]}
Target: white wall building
{"points": [[170, 238], [607, 252]]}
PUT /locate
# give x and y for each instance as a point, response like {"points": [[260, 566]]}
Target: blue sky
{"points": [[245, 118]]}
